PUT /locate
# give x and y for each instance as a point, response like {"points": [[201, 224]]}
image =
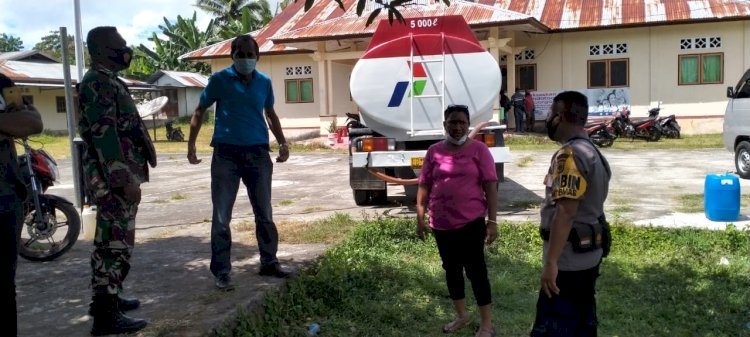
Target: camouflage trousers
{"points": [[572, 313], [113, 243]]}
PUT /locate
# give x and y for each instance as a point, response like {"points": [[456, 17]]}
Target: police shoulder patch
{"points": [[567, 180]]}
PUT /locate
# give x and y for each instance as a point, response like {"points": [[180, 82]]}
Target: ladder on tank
{"points": [[440, 95]]}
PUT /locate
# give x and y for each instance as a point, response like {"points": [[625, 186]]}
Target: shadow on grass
{"points": [[383, 282]]}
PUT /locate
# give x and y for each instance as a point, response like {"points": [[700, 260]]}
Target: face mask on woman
{"points": [[457, 142]]}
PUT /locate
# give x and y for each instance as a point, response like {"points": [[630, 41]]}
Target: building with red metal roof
{"points": [[682, 53]]}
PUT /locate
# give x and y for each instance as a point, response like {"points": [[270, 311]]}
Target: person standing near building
{"points": [[115, 165], [519, 109], [241, 152], [458, 184], [573, 227], [15, 122], [505, 104], [530, 109]]}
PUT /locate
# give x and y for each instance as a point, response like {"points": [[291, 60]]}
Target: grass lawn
{"points": [[541, 142], [382, 281], [59, 146]]}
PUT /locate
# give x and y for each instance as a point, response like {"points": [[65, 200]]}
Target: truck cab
{"points": [[737, 125]]}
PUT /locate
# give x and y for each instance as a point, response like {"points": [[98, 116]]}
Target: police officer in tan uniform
{"points": [[574, 230], [16, 121]]}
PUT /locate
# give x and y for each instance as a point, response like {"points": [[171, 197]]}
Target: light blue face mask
{"points": [[245, 66]]}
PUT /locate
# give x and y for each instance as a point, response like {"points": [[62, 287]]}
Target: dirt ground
{"points": [[170, 263]]}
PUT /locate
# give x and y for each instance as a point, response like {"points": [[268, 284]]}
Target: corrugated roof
{"points": [[325, 17], [46, 73], [187, 79], [351, 25], [23, 55], [593, 14]]}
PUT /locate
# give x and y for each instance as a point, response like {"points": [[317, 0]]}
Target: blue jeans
{"points": [[520, 115], [253, 165]]}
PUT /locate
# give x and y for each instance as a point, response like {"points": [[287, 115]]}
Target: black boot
{"points": [[125, 304], [109, 320]]}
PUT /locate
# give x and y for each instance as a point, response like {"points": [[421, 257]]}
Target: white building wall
{"points": [[562, 64]]}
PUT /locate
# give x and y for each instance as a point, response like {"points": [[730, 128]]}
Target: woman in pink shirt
{"points": [[458, 185]]}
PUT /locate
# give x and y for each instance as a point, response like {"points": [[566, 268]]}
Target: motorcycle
{"points": [[669, 126], [646, 128], [353, 121], [51, 224], [174, 134], [600, 133]]}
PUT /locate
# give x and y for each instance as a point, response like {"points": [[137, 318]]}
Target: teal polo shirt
{"points": [[239, 107]]}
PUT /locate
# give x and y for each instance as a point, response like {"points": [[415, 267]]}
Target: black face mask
{"points": [[119, 57], [551, 129]]}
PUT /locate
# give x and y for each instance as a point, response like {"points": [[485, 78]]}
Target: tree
{"points": [[182, 37], [248, 22], [226, 11], [51, 44], [10, 43]]}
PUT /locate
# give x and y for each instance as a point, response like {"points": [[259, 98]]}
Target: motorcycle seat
{"points": [[639, 121]]}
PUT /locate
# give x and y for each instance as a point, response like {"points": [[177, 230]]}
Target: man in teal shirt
{"points": [[241, 151]]}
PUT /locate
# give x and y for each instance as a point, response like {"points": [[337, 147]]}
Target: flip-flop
{"points": [[456, 324], [482, 332]]}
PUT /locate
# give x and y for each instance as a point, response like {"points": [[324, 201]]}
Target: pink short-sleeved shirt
{"points": [[456, 180]]}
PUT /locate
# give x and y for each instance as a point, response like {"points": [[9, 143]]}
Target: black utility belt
{"points": [[583, 237]]}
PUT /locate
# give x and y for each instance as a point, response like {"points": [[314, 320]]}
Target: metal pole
{"points": [[79, 40], [74, 155]]}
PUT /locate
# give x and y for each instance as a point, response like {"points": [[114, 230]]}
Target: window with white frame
{"points": [[700, 43], [608, 49]]}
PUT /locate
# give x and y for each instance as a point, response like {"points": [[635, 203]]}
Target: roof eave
{"points": [[530, 21], [649, 24]]}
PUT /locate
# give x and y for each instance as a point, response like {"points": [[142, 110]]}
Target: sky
{"points": [[134, 19]]}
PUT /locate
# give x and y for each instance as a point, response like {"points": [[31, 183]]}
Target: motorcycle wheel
{"points": [[178, 136], [602, 139], [55, 236], [653, 134]]}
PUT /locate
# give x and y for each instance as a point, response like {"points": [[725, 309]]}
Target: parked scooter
{"points": [[647, 128], [51, 224], [600, 133], [353, 121], [173, 133], [669, 126]]}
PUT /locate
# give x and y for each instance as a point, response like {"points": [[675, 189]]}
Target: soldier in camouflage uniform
{"points": [[18, 122], [115, 165]]}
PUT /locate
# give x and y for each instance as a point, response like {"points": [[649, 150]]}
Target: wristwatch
{"points": [[283, 145]]}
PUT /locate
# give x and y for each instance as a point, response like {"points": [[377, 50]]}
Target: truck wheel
{"points": [[370, 197], [742, 159], [361, 197], [379, 197]]}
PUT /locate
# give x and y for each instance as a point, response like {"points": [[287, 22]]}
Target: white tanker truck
{"points": [[402, 84]]}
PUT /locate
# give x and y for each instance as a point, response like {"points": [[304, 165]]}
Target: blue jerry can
{"points": [[721, 197]]}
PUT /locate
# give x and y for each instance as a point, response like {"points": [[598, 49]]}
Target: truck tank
{"points": [[445, 64]]}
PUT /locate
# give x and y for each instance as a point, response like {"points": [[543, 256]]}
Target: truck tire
{"points": [[361, 197], [742, 159], [370, 197]]}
